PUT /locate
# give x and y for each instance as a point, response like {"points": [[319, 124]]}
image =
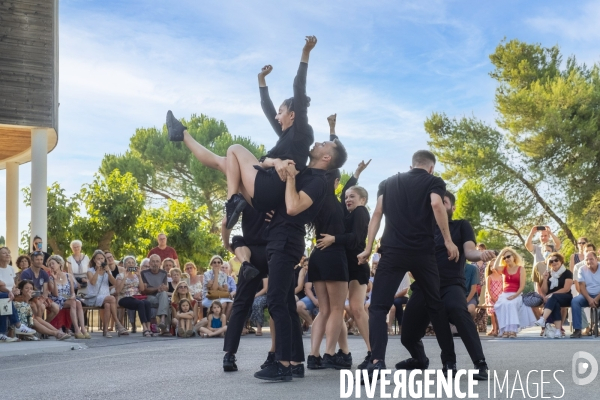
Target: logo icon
{"points": [[580, 367]]}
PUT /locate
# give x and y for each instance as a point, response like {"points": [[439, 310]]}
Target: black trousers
{"points": [[417, 319], [143, 307], [398, 303], [390, 271], [244, 298], [282, 257]]}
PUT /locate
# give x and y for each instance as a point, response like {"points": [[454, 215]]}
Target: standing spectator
{"points": [[23, 262], [556, 289], [589, 289], [36, 246], [493, 290], [471, 284], [156, 288], [258, 306], [62, 292], [99, 292], [538, 250], [164, 251], [512, 314], [40, 279], [215, 281], [78, 266], [195, 281], [130, 287], [217, 324], [9, 290]]}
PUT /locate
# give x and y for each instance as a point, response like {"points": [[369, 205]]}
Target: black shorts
{"points": [[269, 190], [360, 273], [330, 264]]}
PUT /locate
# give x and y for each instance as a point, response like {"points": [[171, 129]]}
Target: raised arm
{"points": [[265, 100], [300, 98], [529, 240]]}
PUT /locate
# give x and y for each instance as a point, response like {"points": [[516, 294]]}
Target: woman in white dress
{"points": [[511, 313]]}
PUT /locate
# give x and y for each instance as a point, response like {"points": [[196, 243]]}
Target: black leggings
{"points": [[141, 306]]}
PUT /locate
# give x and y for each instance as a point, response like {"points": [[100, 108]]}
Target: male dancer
{"points": [[410, 201], [261, 184], [452, 291]]}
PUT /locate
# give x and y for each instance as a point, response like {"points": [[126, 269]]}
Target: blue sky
{"points": [[382, 66]]}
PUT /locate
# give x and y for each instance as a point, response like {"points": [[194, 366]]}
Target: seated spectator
{"points": [[300, 272], [156, 288], [77, 265], [98, 295], [8, 290], [62, 293], [185, 319], [512, 314], [23, 262], [471, 283], [226, 268], [175, 278], [400, 299], [493, 290], [164, 251], [308, 306], [39, 277], [217, 324], [26, 314], [145, 264], [182, 292], [589, 291], [168, 264], [37, 246], [585, 316], [216, 288], [130, 287], [195, 281], [556, 289], [257, 316]]}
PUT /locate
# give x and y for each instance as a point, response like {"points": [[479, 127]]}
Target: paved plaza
{"points": [[134, 367]]}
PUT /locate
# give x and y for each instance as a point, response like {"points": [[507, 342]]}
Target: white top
{"points": [[81, 267], [405, 284], [592, 280], [7, 275]]}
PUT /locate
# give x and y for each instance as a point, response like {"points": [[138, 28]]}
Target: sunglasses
{"points": [[554, 260], [507, 257]]}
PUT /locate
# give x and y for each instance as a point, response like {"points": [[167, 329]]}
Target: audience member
{"points": [[257, 317], [512, 314], [130, 287], [62, 293], [40, 278], [481, 268], [585, 316], [98, 294], [493, 290], [175, 278], [168, 264], [37, 246], [589, 289], [156, 288], [556, 289], [195, 281], [539, 251], [78, 266], [23, 262], [182, 292], [300, 272], [579, 256], [226, 268], [215, 286], [217, 324], [26, 314], [185, 318], [471, 283], [164, 251], [145, 264]]}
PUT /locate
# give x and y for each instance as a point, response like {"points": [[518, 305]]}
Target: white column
{"points": [[12, 209], [39, 184]]}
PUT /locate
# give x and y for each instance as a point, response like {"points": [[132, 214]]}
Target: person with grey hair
{"points": [[156, 287], [145, 264], [77, 265]]}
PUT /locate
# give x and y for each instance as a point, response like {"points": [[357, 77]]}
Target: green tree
{"points": [[2, 241], [168, 170]]}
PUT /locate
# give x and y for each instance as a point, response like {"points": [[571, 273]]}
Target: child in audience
{"points": [[493, 289], [185, 318], [217, 324]]}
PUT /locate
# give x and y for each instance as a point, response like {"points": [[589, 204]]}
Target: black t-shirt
{"points": [[561, 280], [253, 226], [292, 228], [409, 219], [452, 272]]}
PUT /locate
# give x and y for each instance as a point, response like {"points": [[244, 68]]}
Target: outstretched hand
{"points": [[361, 167], [266, 70], [311, 42]]}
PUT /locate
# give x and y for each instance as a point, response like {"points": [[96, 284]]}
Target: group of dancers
{"points": [[292, 187]]}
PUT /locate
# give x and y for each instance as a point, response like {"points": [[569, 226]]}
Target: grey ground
{"points": [[167, 368]]}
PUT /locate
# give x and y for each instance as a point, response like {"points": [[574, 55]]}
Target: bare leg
{"points": [[205, 156], [241, 173], [357, 300], [227, 310], [343, 340], [52, 312], [72, 306], [303, 312], [337, 292], [80, 319], [391, 317], [272, 328], [243, 253], [320, 322], [44, 327]]}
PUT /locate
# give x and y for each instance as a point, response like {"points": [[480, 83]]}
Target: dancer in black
{"points": [[304, 195], [261, 183], [410, 201], [452, 291], [250, 249]]}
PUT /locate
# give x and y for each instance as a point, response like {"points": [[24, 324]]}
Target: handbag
{"points": [[533, 299], [6, 306], [217, 294], [91, 298]]}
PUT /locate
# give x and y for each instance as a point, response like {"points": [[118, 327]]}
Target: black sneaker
{"points": [[379, 365], [482, 375], [365, 363], [298, 370], [249, 271], [229, 362], [329, 361], [449, 365], [313, 362], [412, 363], [344, 359], [275, 372], [233, 208], [270, 360], [175, 128]]}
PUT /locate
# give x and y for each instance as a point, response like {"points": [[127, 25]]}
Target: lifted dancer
{"points": [[452, 291], [410, 201]]}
